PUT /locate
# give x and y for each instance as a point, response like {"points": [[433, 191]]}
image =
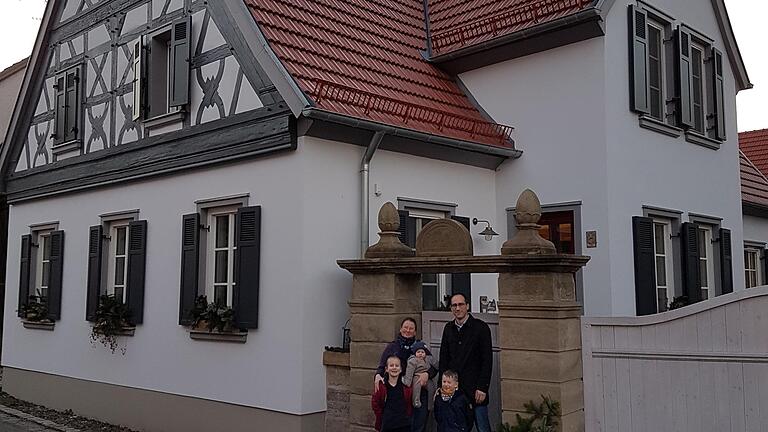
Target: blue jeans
{"points": [[419, 418], [481, 419]]}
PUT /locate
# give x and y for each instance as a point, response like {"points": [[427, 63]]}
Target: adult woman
{"points": [[401, 347]]}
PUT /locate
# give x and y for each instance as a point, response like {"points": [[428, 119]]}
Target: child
{"points": [[392, 402], [452, 411], [418, 362]]}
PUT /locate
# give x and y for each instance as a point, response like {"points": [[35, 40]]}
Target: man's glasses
{"points": [[457, 305]]}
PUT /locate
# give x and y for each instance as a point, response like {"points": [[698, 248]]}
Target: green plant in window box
{"points": [[112, 319], [36, 309], [212, 316], [543, 417], [679, 302]]}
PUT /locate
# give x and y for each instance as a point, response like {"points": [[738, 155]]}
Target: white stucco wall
{"points": [[755, 229], [310, 218], [648, 168], [554, 99], [570, 107]]}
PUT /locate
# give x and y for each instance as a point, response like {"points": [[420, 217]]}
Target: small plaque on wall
{"points": [[591, 239]]}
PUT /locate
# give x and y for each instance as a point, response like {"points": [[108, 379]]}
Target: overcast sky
{"points": [[20, 19]]}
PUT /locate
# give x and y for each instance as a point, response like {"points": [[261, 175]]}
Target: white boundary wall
{"points": [[699, 368]]}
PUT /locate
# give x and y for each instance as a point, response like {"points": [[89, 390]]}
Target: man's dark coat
{"points": [[469, 352]]}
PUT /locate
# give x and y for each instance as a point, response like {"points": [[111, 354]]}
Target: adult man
{"points": [[466, 348]]}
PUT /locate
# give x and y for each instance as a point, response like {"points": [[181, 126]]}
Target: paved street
{"points": [[12, 424]]}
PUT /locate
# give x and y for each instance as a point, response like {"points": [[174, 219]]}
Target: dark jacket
{"points": [[401, 347], [380, 407], [454, 414], [468, 352]]}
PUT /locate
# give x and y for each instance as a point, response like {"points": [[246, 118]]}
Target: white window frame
{"points": [[756, 252], [708, 260], [703, 87], [112, 256], [153, 74], [211, 221], [41, 237], [663, 57], [667, 256]]}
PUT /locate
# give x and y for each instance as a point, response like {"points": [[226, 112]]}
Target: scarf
{"points": [[405, 343]]}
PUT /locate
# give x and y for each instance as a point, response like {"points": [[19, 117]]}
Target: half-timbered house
{"points": [[167, 149]]}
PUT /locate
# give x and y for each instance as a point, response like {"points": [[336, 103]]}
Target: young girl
{"points": [[452, 411], [392, 402]]}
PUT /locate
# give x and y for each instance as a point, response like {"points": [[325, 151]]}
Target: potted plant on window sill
{"points": [[34, 314], [112, 319], [214, 321]]}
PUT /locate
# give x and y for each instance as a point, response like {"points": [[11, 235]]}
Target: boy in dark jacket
{"points": [[392, 402], [452, 411]]}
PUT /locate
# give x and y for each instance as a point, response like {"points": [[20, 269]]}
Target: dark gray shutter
{"points": [[407, 229], [190, 259], [718, 94], [138, 79], [72, 104], [60, 127], [726, 261], [638, 60], [57, 273], [645, 266], [137, 259], [245, 298], [95, 239], [24, 272], [684, 78], [691, 262], [179, 72], [764, 263], [461, 283]]}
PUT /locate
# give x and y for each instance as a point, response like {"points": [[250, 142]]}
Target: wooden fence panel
{"points": [[700, 368]]}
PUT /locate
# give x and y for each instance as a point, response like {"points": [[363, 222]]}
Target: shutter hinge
{"points": [[206, 228]]}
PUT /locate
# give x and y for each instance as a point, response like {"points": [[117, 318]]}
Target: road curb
{"points": [[42, 422]]}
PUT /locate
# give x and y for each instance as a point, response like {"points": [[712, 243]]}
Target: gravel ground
{"points": [[64, 418]]}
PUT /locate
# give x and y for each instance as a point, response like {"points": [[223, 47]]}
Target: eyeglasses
{"points": [[457, 305]]}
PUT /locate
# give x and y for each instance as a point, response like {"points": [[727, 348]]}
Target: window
{"points": [[117, 253], [664, 266], [435, 287], [557, 227], [706, 262], [161, 71], [675, 86], [752, 266], [117, 259], [68, 118], [220, 258], [220, 253], [41, 269]]}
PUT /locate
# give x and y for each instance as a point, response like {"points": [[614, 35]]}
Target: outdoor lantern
{"points": [[345, 337], [488, 232]]}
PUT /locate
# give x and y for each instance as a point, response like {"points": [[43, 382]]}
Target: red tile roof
{"points": [[456, 24], [754, 185], [754, 144], [362, 58]]}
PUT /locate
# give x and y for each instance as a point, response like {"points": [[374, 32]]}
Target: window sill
{"points": [[651, 123], [66, 147], [38, 325], [215, 336], [125, 331], [695, 138], [164, 119]]}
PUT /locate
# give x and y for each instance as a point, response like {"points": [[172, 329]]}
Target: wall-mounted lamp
{"points": [[488, 232]]}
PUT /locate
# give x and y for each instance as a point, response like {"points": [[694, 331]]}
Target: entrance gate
{"points": [[538, 332]]}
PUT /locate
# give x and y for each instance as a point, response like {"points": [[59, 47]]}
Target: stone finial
{"points": [[389, 244], [527, 241]]}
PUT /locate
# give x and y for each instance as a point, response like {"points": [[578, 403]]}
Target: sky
{"points": [[20, 19]]}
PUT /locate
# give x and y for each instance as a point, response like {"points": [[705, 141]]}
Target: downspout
{"points": [[365, 203]]}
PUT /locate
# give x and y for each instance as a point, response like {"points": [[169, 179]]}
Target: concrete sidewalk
{"points": [[12, 420]]}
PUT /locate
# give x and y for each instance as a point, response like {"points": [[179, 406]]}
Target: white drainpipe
{"points": [[365, 165]]}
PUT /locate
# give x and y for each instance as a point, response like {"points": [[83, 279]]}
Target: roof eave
{"points": [[731, 46]]}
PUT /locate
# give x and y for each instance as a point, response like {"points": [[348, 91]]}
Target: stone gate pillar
{"points": [[378, 304], [539, 327]]}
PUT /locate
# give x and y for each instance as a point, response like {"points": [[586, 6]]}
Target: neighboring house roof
{"points": [[754, 184], [12, 69], [754, 144], [456, 24], [363, 59]]}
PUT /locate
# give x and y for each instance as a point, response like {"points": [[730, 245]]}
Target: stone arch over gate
{"points": [[539, 328]]}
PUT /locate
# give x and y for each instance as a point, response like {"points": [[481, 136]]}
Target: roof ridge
{"points": [[753, 131]]}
